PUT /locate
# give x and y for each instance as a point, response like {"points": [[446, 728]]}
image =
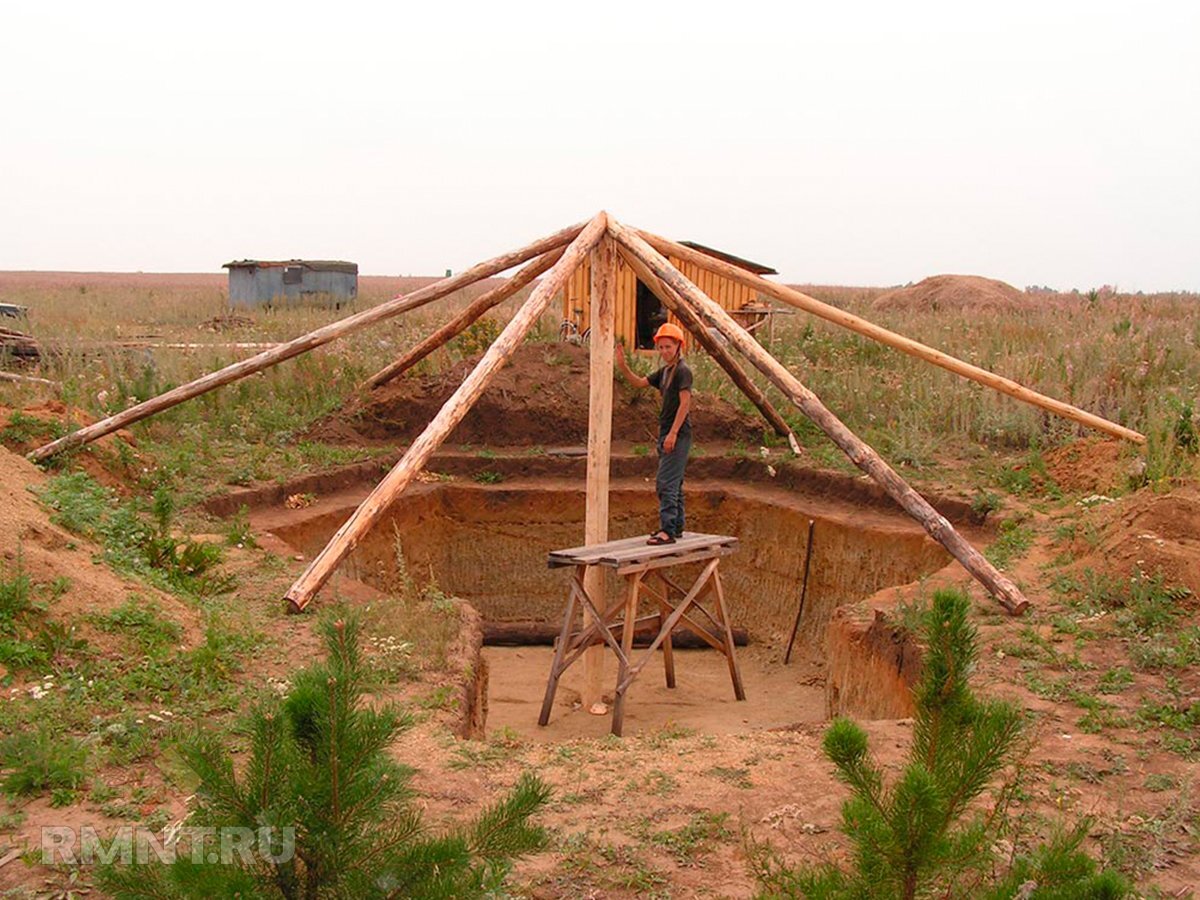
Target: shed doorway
{"points": [[650, 314]]}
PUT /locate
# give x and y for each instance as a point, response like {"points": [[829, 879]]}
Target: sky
{"points": [[1041, 143]]}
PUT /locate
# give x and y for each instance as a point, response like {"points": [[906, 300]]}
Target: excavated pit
{"points": [[487, 544]]}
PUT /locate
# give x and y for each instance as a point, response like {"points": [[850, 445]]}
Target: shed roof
{"points": [[748, 265], [317, 265]]}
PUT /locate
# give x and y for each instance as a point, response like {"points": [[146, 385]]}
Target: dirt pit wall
{"points": [[488, 545]]}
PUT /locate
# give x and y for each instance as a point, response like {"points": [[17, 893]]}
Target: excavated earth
{"points": [[487, 543], [482, 521], [955, 292], [539, 398]]}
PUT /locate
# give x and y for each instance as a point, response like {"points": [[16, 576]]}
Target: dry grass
{"points": [[1129, 358], [104, 337]]}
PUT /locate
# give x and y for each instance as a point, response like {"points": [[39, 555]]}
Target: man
{"points": [[674, 381]]}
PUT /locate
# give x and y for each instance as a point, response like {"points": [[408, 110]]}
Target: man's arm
{"points": [[685, 403], [627, 373]]}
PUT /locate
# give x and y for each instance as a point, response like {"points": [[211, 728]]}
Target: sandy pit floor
{"points": [[702, 699]]}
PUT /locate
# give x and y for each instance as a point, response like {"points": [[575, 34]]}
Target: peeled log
{"points": [[795, 298], [402, 474], [858, 452], [465, 319], [304, 343], [603, 288]]}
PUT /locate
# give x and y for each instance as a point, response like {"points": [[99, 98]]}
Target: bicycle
{"points": [[569, 331]]}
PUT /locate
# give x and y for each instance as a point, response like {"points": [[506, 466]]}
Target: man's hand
{"points": [[669, 442]]}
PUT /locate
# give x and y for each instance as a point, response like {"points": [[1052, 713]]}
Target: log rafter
{"points": [[556, 257], [859, 453]]}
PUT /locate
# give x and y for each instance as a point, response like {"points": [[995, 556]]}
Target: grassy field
{"points": [[1128, 358], [193, 634]]}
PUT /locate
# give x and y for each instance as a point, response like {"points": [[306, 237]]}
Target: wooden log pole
{"points": [[859, 453], [304, 343], [627, 627], [467, 317], [26, 379], [808, 548], [722, 356], [414, 459], [861, 326], [603, 292]]}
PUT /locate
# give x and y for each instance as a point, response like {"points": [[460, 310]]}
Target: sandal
{"points": [[660, 538]]}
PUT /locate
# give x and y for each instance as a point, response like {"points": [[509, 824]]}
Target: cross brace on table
{"points": [[600, 626]]}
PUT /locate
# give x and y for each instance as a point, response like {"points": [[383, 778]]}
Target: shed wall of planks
{"points": [[577, 301]]}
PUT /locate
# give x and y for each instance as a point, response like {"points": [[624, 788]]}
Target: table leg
{"points": [[556, 667], [631, 604], [668, 654], [723, 615]]}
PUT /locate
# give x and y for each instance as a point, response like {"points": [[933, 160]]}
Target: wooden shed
{"points": [[639, 312], [260, 282]]}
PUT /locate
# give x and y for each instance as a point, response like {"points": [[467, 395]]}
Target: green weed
{"points": [[143, 622], [1115, 680], [131, 543], [1013, 542], [690, 841], [42, 761]]}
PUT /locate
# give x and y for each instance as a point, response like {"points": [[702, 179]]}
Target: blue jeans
{"points": [[669, 483]]}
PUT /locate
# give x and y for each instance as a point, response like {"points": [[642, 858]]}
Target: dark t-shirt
{"points": [[680, 380]]}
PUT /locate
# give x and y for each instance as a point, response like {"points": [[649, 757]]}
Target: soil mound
{"points": [[28, 428], [1157, 533], [951, 292], [540, 397], [1088, 466], [33, 545]]}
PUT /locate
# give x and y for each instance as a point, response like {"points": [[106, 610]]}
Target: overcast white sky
{"points": [[853, 143]]}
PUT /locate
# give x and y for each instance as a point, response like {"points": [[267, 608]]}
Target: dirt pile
{"points": [[1157, 533], [953, 292], [32, 545], [540, 397], [112, 460], [1088, 466]]}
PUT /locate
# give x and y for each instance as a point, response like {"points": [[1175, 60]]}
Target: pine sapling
{"points": [[334, 808], [924, 834]]}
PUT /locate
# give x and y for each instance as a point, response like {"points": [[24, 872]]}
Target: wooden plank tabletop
{"points": [[635, 549]]}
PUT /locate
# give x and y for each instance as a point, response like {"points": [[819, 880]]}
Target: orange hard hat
{"points": [[669, 330]]}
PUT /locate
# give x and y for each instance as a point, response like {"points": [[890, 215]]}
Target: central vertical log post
{"points": [[603, 264]]}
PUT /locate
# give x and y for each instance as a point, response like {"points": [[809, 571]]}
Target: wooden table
{"points": [[637, 562]]}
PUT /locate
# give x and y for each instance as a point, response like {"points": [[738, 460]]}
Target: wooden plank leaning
{"points": [[304, 343], [859, 453], [899, 342], [467, 317], [439, 428]]}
